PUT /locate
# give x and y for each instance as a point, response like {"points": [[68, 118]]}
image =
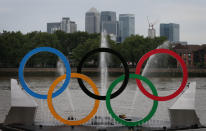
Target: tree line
{"points": [[14, 45]]}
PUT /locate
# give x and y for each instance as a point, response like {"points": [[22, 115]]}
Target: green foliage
{"points": [[82, 49], [69, 41], [11, 44], [134, 47], [14, 45]]}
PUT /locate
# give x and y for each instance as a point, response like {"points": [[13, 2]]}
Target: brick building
{"points": [[193, 55]]}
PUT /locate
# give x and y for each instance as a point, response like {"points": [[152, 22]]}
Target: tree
{"points": [[14, 45], [82, 49], [135, 46]]}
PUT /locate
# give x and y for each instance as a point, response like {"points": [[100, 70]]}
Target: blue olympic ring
{"points": [[35, 51]]}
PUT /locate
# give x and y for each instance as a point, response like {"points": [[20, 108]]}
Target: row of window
{"points": [[189, 54]]}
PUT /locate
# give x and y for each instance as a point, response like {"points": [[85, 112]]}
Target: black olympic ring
{"points": [[126, 72]]}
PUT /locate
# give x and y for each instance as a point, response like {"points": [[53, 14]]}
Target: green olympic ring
{"points": [[129, 123]]}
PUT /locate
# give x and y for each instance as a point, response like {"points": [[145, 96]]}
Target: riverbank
{"points": [[113, 71]]}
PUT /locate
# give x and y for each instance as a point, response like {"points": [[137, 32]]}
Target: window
{"points": [[189, 55], [189, 62]]}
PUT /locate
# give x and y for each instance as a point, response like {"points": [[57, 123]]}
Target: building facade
{"points": [[68, 26], [65, 25], [126, 26], [92, 21], [151, 33], [194, 56], [109, 22], [96, 22], [52, 27], [73, 27], [171, 31]]}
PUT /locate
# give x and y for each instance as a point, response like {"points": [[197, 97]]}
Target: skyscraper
{"points": [[109, 22], [65, 24], [92, 21], [126, 25], [52, 27], [171, 31], [73, 27]]}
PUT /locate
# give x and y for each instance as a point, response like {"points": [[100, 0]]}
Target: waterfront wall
{"points": [[113, 71]]}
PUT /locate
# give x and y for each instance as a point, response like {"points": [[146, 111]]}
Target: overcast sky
{"points": [[32, 15]]}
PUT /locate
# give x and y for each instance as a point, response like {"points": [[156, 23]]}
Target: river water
{"points": [[123, 104]]}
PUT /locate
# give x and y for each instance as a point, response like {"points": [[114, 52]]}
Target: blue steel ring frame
{"points": [[33, 52]]}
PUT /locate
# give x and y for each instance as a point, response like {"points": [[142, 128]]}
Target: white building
{"points": [[92, 21], [65, 25], [151, 32], [68, 26]]}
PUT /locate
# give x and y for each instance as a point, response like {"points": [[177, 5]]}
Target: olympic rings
{"points": [[126, 69], [37, 50], [184, 69], [54, 113], [109, 94], [124, 122]]}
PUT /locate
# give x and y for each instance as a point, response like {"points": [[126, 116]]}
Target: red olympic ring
{"points": [[183, 66]]}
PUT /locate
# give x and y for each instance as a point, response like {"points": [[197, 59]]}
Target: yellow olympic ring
{"points": [[56, 115]]}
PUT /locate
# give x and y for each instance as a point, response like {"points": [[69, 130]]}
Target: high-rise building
{"points": [[52, 27], [108, 22], [171, 31], [126, 26], [65, 25], [92, 21], [73, 27]]}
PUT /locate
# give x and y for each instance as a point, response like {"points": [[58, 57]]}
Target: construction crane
{"points": [[151, 30], [151, 25]]}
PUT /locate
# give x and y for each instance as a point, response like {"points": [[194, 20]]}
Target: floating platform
{"points": [[183, 112], [23, 107]]}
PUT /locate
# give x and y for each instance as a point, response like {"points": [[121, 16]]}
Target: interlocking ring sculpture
{"points": [[109, 94]]}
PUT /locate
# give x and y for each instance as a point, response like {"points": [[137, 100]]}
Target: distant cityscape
{"points": [[97, 22], [119, 30]]}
